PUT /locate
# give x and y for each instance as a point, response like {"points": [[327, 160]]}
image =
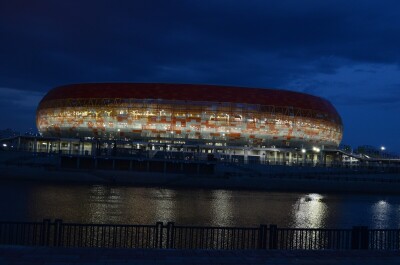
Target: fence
{"points": [[171, 236]]}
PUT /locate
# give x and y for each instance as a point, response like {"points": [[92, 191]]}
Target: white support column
{"points": [[83, 148], [35, 145], [94, 148], [19, 143]]}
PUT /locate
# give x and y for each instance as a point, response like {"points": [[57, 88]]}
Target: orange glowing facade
{"points": [[189, 114]]}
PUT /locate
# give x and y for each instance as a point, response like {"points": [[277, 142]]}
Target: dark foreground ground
{"points": [[89, 256]]}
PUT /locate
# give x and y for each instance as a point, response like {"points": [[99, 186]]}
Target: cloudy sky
{"points": [[345, 51]]}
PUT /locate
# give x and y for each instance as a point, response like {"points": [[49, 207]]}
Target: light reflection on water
{"points": [[130, 205], [165, 205], [310, 212], [104, 204], [222, 208], [381, 212]]}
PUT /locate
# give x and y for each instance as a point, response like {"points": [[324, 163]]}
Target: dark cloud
{"points": [[285, 44], [365, 100], [69, 41]]}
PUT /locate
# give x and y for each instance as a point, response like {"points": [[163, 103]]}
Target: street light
{"points": [[316, 149], [383, 148]]}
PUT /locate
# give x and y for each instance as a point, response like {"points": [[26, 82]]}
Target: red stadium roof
{"points": [[193, 93]]}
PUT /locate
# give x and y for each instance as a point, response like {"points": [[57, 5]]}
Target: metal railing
{"points": [[171, 236]]}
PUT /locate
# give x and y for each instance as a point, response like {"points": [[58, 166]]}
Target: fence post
{"points": [[364, 237], [159, 235], [273, 237], [57, 232], [360, 237], [262, 237], [45, 236], [170, 235], [355, 237], [8, 239]]}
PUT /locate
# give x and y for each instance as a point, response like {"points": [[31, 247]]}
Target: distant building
{"points": [[32, 132], [374, 152], [346, 148], [8, 133]]}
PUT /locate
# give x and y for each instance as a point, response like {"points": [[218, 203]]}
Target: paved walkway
{"points": [[88, 256]]}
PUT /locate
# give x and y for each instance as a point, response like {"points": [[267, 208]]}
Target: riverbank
{"points": [[192, 174], [312, 182]]}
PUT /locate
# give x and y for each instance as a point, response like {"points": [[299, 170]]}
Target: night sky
{"points": [[345, 51]]}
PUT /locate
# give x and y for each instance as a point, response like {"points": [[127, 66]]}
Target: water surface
{"points": [[22, 201]]}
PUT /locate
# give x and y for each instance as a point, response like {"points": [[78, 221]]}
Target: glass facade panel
{"points": [[232, 123]]}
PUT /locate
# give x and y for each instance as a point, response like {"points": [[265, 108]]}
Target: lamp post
{"points": [[382, 150], [303, 152]]}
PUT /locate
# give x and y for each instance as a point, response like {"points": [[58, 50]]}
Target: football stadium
{"points": [[183, 135], [187, 114]]}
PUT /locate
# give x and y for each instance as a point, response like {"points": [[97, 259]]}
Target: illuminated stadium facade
{"points": [[189, 115]]}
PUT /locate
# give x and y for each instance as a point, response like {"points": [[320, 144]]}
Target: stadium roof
{"points": [[189, 92]]}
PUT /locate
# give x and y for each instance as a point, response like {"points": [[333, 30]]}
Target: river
{"points": [[27, 201]]}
